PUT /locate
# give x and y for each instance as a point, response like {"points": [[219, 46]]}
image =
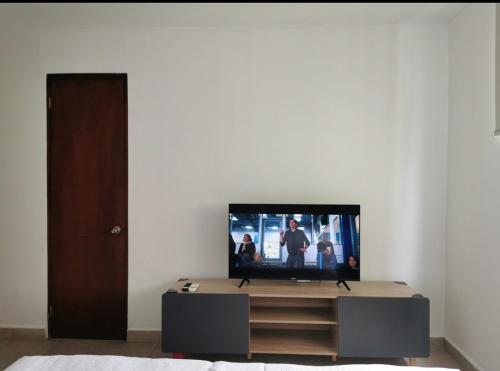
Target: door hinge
{"points": [[50, 102], [51, 311]]}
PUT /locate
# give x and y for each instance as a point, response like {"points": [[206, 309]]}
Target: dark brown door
{"points": [[87, 205]]}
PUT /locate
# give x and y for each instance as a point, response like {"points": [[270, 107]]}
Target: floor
{"points": [[11, 350]]}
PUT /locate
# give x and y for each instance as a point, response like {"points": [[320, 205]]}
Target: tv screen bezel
{"points": [[291, 273]]}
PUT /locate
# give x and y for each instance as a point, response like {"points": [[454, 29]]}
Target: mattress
{"points": [[119, 363]]}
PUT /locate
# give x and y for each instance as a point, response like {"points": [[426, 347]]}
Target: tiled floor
{"points": [[11, 350]]}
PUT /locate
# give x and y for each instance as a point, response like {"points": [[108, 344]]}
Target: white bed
{"points": [[119, 363]]}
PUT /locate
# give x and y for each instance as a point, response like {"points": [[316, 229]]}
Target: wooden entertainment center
{"points": [[374, 319]]}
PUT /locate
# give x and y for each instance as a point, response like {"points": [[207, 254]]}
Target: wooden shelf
{"points": [[292, 342], [292, 325], [292, 315]]}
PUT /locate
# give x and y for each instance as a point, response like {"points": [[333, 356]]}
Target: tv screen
{"points": [[306, 242]]}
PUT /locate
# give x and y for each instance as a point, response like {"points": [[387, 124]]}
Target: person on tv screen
{"points": [[246, 251], [296, 245], [233, 258], [350, 270], [326, 255]]}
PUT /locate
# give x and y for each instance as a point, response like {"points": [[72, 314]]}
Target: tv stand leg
{"points": [[249, 356], [412, 361], [344, 283], [243, 281]]}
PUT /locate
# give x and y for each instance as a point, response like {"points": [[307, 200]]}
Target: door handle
{"points": [[116, 230]]}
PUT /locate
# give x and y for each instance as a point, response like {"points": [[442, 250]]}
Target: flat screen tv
{"points": [[303, 242]]}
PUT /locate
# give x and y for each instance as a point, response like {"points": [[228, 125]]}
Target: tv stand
{"points": [[345, 284], [243, 281], [281, 317]]}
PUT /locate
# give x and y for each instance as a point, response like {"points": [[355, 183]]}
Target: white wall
{"points": [[473, 234], [416, 236], [23, 212], [210, 113]]}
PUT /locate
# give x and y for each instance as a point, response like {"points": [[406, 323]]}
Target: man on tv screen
{"points": [[326, 255], [296, 244]]}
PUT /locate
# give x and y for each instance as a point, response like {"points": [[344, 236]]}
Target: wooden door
{"points": [[87, 205]]}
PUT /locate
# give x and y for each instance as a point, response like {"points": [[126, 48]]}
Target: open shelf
{"points": [[293, 325], [292, 342], [292, 315]]}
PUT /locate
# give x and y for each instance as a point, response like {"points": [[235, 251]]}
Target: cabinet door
{"points": [[205, 323], [383, 327]]}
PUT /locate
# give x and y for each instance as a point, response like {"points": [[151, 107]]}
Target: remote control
{"points": [[193, 287]]}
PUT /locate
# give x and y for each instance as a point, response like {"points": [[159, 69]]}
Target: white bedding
{"points": [[119, 363]]}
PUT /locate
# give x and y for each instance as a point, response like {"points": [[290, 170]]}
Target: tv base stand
{"points": [[243, 281], [345, 284]]}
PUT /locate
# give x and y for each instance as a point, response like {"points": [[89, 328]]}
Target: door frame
{"points": [[52, 77]]}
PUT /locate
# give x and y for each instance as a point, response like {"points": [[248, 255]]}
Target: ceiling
{"points": [[220, 14]]}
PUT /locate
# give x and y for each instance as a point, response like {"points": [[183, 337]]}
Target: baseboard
{"points": [[465, 363], [144, 336], [18, 333]]}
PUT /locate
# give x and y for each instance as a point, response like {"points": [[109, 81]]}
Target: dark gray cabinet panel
{"points": [[205, 323], [383, 327]]}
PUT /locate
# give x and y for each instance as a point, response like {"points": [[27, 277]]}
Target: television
{"points": [[287, 241]]}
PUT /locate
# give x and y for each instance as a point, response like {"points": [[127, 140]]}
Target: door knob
{"points": [[116, 229]]}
